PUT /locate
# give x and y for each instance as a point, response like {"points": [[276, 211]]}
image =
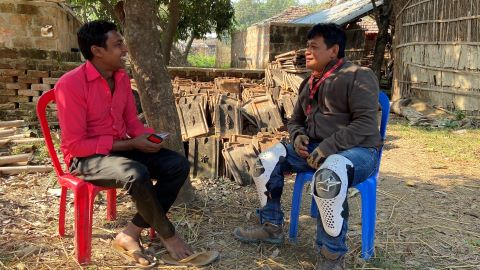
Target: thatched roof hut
{"points": [[437, 53]]}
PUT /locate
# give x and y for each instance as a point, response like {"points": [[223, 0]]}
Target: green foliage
{"points": [[445, 142], [198, 18], [248, 12], [459, 115], [89, 10], [201, 60]]}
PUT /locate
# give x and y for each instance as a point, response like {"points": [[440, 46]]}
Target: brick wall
{"points": [[209, 74], [25, 74], [43, 25]]}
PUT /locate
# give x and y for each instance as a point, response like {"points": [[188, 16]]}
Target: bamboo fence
{"points": [[437, 53]]}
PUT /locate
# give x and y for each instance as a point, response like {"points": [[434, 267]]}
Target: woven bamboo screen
{"points": [[437, 53]]}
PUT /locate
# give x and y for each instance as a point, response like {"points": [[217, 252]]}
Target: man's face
{"points": [[318, 55], [114, 55]]}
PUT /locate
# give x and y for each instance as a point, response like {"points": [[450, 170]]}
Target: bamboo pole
{"points": [[473, 73], [447, 91], [4, 142], [14, 159], [15, 123], [416, 4], [25, 169], [438, 43], [7, 132], [29, 140]]}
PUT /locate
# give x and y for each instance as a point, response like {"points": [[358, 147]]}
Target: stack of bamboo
{"points": [[16, 146]]}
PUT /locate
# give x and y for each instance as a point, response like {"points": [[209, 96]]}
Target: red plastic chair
{"points": [[84, 192]]}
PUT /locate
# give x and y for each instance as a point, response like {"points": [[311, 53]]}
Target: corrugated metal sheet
{"points": [[340, 14]]}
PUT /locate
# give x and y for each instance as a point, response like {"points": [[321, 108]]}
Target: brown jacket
{"points": [[343, 113]]}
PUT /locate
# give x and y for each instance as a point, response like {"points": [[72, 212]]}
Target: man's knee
{"points": [[135, 178]]}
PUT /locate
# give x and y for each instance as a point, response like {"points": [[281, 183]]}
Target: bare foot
{"points": [[128, 240], [177, 247]]}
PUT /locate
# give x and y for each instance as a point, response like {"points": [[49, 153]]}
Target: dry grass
{"points": [[427, 218]]}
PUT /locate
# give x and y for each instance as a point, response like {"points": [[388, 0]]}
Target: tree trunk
{"points": [[382, 16], [188, 47], [151, 75], [169, 33]]}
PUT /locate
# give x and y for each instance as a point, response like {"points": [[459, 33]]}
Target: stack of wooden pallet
{"points": [[293, 61], [287, 72], [16, 147]]}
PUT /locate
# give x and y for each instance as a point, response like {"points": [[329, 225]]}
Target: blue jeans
{"points": [[365, 162]]}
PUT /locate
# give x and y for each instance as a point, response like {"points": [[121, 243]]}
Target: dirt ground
{"points": [[428, 215]]}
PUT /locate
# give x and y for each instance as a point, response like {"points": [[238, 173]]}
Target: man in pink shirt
{"points": [[105, 143]]}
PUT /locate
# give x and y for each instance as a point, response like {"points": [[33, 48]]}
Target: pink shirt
{"points": [[91, 119]]}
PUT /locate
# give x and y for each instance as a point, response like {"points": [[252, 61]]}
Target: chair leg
{"points": [[111, 204], [61, 212], [369, 209], [83, 229], [314, 209], [295, 211]]}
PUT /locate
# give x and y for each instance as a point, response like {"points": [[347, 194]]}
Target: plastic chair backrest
{"points": [[385, 105], [42, 103]]}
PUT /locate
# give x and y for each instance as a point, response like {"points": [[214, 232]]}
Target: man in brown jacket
{"points": [[334, 130]]}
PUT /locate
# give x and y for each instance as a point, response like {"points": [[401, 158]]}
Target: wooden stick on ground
{"points": [[14, 159], [28, 140], [15, 123], [7, 132], [25, 169]]}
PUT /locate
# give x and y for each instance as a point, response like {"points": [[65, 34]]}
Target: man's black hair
{"points": [[331, 33], [93, 33]]}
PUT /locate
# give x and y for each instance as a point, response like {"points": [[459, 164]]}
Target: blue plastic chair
{"points": [[367, 188]]}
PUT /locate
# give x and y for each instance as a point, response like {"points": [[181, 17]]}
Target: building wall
{"points": [[25, 74], [237, 54], [258, 37], [250, 47], [255, 47], [285, 37], [223, 54], [41, 25]]}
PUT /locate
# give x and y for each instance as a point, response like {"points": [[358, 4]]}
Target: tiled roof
{"points": [[288, 15], [340, 14]]}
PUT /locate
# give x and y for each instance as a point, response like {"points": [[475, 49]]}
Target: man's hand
{"points": [[315, 159], [141, 143], [300, 145]]}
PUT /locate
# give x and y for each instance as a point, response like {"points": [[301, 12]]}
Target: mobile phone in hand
{"points": [[158, 137]]}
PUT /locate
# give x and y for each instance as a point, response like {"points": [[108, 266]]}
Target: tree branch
{"points": [[169, 33], [376, 12]]}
